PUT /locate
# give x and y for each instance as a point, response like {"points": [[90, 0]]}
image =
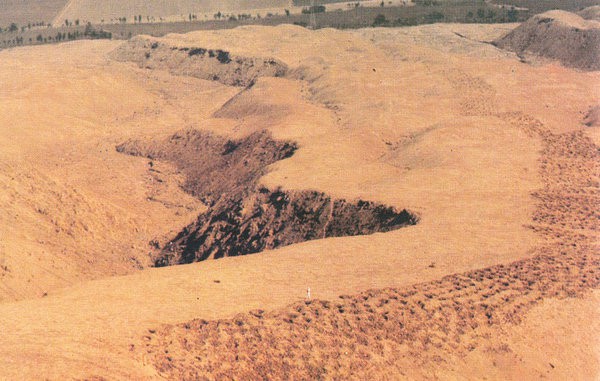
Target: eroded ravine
{"points": [[243, 217], [431, 322]]}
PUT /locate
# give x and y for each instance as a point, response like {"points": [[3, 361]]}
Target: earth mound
{"points": [[200, 62], [557, 35], [244, 218]]}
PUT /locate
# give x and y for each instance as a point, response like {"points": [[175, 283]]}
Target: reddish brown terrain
{"points": [[438, 196]]}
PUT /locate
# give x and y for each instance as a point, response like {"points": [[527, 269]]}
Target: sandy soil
{"points": [[423, 118]]}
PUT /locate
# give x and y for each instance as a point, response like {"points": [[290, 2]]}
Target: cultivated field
{"points": [[110, 10]]}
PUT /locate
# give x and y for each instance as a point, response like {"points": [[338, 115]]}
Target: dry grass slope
{"points": [[368, 335]]}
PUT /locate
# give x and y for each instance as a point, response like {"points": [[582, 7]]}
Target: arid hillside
{"points": [[435, 193]]}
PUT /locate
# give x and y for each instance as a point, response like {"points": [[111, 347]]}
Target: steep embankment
{"points": [[244, 218], [557, 35], [200, 62]]}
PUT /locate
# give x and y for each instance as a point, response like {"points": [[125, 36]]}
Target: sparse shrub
{"points": [[380, 20], [314, 9], [223, 56]]}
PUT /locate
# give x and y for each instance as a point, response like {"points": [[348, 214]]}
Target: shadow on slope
{"points": [[244, 218]]}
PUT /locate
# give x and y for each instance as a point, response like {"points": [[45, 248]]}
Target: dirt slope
{"points": [[493, 175], [558, 35]]}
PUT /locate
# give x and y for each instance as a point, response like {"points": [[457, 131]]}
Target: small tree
{"points": [[380, 20], [13, 27]]}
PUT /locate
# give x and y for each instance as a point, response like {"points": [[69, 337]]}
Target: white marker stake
{"points": [[308, 293]]}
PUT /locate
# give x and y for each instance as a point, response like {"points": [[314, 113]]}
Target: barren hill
{"points": [[497, 279], [558, 35]]}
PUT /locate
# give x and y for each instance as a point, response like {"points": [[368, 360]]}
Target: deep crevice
{"points": [[244, 218]]}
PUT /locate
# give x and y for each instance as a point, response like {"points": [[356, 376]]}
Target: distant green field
{"points": [[304, 3], [539, 6]]}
